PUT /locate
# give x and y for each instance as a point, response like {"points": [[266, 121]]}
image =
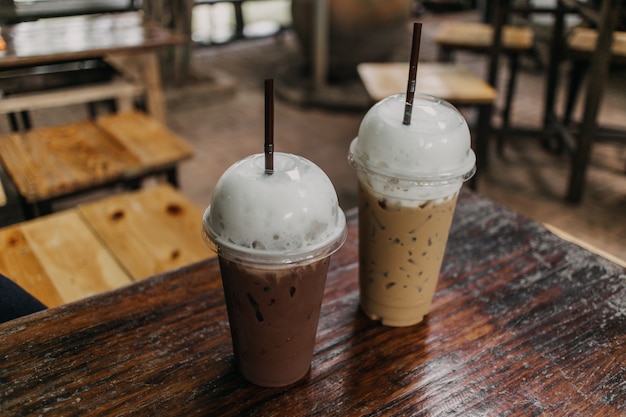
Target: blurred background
{"points": [[214, 94]]}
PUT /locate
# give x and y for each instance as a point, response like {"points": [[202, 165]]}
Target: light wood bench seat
{"points": [[103, 245], [451, 82], [55, 162], [582, 43], [479, 37], [121, 91]]}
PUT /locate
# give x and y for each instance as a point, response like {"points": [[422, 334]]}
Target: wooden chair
{"points": [[599, 49], [451, 82], [581, 44], [478, 37]]}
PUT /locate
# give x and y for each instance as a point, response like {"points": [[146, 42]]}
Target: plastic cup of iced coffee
{"points": [[409, 180], [274, 235]]}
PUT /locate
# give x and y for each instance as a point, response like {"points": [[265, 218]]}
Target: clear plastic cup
{"points": [[409, 180], [274, 235]]}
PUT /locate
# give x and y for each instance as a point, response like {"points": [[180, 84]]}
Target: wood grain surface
{"points": [[149, 232], [523, 323], [58, 259], [58, 160], [479, 36], [452, 82], [52, 162], [151, 142]]}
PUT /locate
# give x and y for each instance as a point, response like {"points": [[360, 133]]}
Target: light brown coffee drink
{"points": [[409, 181], [400, 255]]}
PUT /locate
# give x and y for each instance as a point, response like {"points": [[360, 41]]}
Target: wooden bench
{"points": [[52, 163], [451, 82], [103, 245], [122, 92]]}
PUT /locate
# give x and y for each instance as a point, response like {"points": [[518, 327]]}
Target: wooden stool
{"points": [[122, 92], [581, 44], [451, 82], [51, 163], [478, 38], [103, 245]]}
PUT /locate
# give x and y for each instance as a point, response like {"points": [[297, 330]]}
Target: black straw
{"points": [[269, 126], [410, 88]]}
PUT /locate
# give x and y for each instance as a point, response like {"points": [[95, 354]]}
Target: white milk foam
{"points": [[426, 160], [293, 210]]}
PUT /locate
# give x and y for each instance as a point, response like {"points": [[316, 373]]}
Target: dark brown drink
{"points": [[273, 314], [274, 234]]}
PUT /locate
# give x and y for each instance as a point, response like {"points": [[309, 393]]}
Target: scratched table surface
{"points": [[523, 323]]}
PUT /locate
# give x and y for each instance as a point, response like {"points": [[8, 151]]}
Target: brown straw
{"points": [[269, 126], [410, 88]]}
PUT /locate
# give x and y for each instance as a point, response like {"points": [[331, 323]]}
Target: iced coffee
{"points": [[274, 234], [409, 179]]}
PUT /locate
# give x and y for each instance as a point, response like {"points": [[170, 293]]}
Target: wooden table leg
{"points": [[143, 68], [595, 89]]}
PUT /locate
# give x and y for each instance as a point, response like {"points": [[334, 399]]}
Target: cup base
{"points": [[394, 316], [269, 383]]}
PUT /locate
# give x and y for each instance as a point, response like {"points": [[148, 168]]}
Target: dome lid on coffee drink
{"points": [[434, 146], [288, 215]]}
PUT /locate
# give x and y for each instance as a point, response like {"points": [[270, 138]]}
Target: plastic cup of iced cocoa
{"points": [[274, 234], [409, 179]]}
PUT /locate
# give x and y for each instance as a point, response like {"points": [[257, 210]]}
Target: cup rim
{"points": [[230, 250], [423, 179]]}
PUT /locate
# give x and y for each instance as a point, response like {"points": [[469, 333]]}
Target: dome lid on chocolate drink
{"points": [[287, 216], [435, 146]]}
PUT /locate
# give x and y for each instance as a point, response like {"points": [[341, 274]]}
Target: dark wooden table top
{"points": [[73, 38], [523, 323]]}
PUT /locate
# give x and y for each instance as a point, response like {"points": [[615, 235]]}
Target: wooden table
{"points": [[102, 245], [523, 323], [122, 39]]}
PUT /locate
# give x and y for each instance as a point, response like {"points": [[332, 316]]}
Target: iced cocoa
{"points": [[273, 317], [274, 235], [400, 255]]}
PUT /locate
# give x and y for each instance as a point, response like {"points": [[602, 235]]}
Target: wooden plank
{"points": [[584, 244], [585, 40], [58, 259], [148, 140], [19, 263], [51, 162], [3, 196], [475, 35], [117, 89], [452, 82], [149, 231]]}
